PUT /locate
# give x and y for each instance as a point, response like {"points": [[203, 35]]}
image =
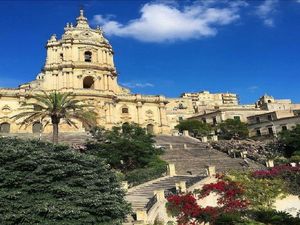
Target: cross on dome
{"points": [[82, 21]]}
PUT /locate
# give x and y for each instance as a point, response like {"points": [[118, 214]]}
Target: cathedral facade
{"points": [[82, 62]]}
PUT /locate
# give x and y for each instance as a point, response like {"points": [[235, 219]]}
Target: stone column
{"points": [[108, 81], [105, 81], [103, 57], [141, 215], [106, 57], [181, 186], [204, 139], [160, 195], [171, 170], [186, 133], [214, 138], [139, 113], [162, 114], [270, 163], [211, 170], [99, 56]]}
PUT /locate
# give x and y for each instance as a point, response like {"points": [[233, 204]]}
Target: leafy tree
{"points": [[261, 193], [125, 148], [56, 107], [195, 127], [42, 183], [291, 141], [233, 129]]}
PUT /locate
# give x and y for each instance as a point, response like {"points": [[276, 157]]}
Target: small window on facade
{"points": [[61, 56], [284, 128], [88, 82], [257, 119], [271, 131], [180, 106], [180, 118], [215, 121], [269, 117], [88, 56], [258, 133], [5, 128], [125, 110], [203, 120]]}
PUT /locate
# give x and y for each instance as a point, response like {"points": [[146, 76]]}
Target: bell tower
{"points": [[82, 59]]}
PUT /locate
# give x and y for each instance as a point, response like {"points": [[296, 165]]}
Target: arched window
{"points": [[88, 82], [5, 128], [125, 110], [37, 128], [87, 56]]}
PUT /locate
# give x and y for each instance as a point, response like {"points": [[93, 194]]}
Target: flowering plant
{"points": [[276, 171], [188, 212]]}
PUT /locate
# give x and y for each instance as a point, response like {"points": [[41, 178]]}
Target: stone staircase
{"points": [[146, 199], [140, 196], [192, 157]]}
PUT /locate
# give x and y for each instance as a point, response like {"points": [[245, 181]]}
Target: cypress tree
{"points": [[41, 183]]}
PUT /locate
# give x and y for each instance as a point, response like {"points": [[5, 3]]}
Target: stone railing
{"points": [[151, 203]]}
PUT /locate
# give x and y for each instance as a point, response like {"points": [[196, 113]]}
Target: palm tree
{"points": [[56, 106]]}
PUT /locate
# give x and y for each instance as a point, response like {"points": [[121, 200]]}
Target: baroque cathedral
{"points": [[82, 62]]}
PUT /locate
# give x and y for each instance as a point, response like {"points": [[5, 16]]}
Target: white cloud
{"points": [[161, 22], [266, 11], [137, 85]]}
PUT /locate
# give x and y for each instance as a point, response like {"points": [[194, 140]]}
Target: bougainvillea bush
{"points": [[290, 175], [244, 198], [187, 211]]}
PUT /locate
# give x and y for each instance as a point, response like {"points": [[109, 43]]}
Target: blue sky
{"points": [[169, 47]]}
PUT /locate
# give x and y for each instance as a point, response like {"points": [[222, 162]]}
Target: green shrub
{"points": [[45, 184], [233, 128], [195, 127], [274, 217], [292, 181], [291, 141], [295, 158], [155, 170], [130, 150], [229, 219]]}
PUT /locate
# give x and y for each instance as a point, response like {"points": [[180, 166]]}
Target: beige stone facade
{"points": [[82, 62], [272, 123], [219, 115], [191, 104]]}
